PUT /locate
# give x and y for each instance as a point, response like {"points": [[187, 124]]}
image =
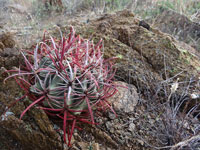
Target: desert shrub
{"points": [[171, 118]]}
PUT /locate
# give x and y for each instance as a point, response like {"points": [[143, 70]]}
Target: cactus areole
{"points": [[67, 78]]}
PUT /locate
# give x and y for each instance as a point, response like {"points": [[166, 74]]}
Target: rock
{"points": [[2, 46], [121, 141], [102, 136], [10, 62], [8, 49], [9, 52], [108, 125], [126, 98], [103, 26], [116, 120], [118, 132], [112, 130], [7, 40], [144, 25], [128, 135], [30, 138], [111, 115], [131, 127], [95, 146], [35, 130], [140, 141], [84, 146]]}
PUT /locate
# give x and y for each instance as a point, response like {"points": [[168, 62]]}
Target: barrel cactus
{"points": [[67, 78]]}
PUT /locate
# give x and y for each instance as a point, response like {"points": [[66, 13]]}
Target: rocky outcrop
{"points": [[178, 25], [145, 56]]}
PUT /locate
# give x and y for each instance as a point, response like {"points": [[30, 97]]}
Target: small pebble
{"points": [[111, 115], [131, 127]]}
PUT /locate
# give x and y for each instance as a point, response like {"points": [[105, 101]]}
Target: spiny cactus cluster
{"points": [[67, 78]]}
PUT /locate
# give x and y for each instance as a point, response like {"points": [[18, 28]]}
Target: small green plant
{"points": [[66, 78]]}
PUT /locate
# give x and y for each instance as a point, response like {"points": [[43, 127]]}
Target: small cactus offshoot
{"points": [[67, 78]]}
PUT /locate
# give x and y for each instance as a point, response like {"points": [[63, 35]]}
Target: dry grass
{"points": [[27, 19]]}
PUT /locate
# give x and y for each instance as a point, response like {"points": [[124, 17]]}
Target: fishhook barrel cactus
{"points": [[67, 78]]}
